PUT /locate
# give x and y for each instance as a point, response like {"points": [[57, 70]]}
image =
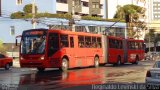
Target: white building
{"points": [[82, 7]]}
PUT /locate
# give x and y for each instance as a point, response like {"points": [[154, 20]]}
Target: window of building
{"points": [[101, 6], [18, 2], [12, 30], [85, 4], [62, 1], [95, 5]]}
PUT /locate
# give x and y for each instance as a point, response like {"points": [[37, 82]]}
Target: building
{"points": [[156, 9], [82, 7], [154, 15]]}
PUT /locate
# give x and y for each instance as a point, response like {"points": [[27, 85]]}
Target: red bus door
{"points": [[72, 51], [125, 49], [53, 47]]}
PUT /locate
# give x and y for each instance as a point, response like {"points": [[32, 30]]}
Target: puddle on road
{"points": [[116, 74], [71, 78], [57, 79]]}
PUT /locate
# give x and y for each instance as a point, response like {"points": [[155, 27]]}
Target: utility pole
{"points": [[71, 21], [0, 7], [33, 15], [148, 27]]}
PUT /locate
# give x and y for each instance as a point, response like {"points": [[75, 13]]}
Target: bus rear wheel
{"points": [[136, 61], [96, 62], [40, 69], [118, 61], [64, 66]]}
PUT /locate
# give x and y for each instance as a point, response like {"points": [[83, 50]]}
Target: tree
{"points": [[17, 15], [28, 8], [133, 12], [2, 48]]}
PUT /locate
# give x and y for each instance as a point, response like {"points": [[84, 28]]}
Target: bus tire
{"points": [[136, 61], [118, 61], [65, 65], [40, 69], [96, 62], [7, 66]]}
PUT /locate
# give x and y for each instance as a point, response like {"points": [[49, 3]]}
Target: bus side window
{"points": [[87, 42], [94, 42], [99, 42], [129, 45], [71, 42], [137, 45], [110, 43], [116, 43], [81, 41], [120, 45], [64, 41], [133, 45]]}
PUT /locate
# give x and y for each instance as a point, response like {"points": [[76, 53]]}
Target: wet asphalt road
{"points": [[30, 79]]}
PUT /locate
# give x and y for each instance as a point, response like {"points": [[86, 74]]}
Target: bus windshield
{"points": [[33, 44]]}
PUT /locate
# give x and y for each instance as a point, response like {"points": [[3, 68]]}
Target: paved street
{"points": [[24, 78]]}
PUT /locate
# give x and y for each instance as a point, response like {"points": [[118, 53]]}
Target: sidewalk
{"points": [[16, 62]]}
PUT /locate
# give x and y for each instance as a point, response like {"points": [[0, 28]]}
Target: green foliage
{"points": [[17, 15], [28, 8], [92, 18], [49, 15], [131, 13], [2, 48], [129, 10]]}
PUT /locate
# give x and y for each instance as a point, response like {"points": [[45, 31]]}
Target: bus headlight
{"points": [[22, 58], [42, 58]]}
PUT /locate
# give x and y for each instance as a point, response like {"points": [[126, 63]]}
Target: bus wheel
{"points": [[7, 66], [136, 61], [119, 61], [40, 69], [96, 62], [64, 64]]}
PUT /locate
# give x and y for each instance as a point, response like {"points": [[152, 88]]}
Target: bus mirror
{"points": [[16, 42], [17, 39]]}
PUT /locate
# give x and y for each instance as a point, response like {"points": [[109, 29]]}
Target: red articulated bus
{"points": [[120, 50], [43, 48]]}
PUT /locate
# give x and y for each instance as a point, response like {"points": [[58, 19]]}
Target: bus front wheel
{"points": [[64, 66], [96, 62]]}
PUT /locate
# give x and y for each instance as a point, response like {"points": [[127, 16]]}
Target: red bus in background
{"points": [[135, 50], [42, 48], [117, 50]]}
